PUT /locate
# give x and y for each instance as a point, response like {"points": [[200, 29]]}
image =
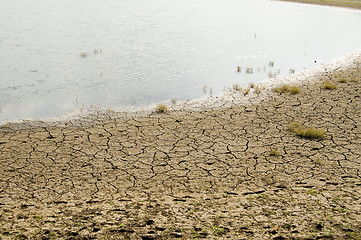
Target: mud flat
{"points": [[356, 4]]}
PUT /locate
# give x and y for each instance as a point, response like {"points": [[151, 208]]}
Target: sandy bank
{"points": [[356, 4]]}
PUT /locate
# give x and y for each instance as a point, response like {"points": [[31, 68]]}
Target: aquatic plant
{"points": [[272, 75], [83, 54], [282, 89], [249, 70]]}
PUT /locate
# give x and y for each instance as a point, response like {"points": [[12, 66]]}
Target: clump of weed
{"points": [[294, 90], [282, 89], [311, 133], [272, 75], [354, 80], [236, 87], [83, 54], [312, 192], [218, 231], [287, 89], [249, 70], [258, 89], [251, 85], [161, 108], [292, 71], [246, 91], [273, 152], [329, 85], [343, 80]]}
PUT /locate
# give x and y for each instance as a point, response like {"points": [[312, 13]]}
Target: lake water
{"points": [[59, 55]]}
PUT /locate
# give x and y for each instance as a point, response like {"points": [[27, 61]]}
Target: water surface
{"points": [[58, 56]]}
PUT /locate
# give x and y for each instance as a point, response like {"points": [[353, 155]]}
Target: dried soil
{"points": [[229, 173]]}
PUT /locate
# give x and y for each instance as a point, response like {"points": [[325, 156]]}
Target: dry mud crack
{"points": [[234, 172]]}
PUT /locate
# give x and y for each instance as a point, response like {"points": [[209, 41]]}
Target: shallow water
{"points": [[57, 57]]}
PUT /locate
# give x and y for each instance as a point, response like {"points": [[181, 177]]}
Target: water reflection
{"points": [[121, 53]]}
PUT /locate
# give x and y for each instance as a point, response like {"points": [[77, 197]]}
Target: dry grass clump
{"points": [[282, 89], [311, 133], [287, 89], [258, 89], [236, 87], [161, 108], [343, 80], [246, 91], [354, 80], [273, 152], [329, 85], [294, 90]]}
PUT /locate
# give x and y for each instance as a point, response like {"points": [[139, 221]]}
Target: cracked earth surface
{"points": [[234, 172]]}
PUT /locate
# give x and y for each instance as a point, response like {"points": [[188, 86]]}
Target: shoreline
{"points": [[233, 171], [221, 169], [353, 4], [227, 99]]}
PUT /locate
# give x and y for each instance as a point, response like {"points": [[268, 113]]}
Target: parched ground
{"points": [[226, 173]]}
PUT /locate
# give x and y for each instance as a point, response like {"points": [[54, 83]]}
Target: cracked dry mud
{"points": [[235, 173]]}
